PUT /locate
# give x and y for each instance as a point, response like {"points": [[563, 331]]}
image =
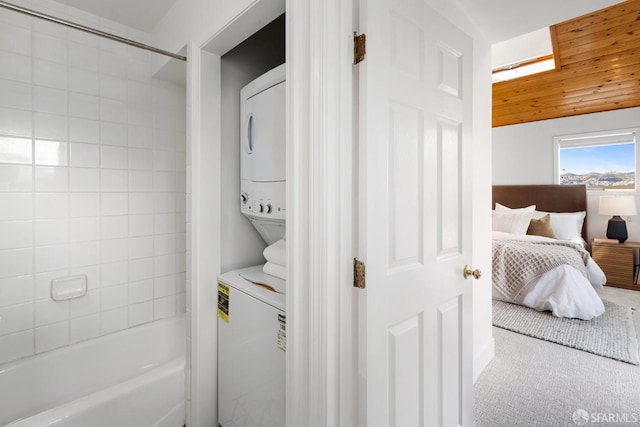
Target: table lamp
{"points": [[617, 206]]}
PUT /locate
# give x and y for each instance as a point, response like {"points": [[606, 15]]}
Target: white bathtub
{"points": [[131, 378]]}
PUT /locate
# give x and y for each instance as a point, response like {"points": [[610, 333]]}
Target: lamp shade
{"points": [[617, 205]]}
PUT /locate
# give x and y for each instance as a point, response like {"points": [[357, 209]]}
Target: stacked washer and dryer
{"points": [[251, 302]]}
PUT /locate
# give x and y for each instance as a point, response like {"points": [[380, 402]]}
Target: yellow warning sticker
{"points": [[282, 332], [223, 301]]}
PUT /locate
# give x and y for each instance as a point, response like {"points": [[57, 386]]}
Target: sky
{"points": [[601, 158]]}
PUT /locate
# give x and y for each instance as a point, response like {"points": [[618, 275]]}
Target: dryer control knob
{"points": [[269, 208], [261, 208], [244, 198]]}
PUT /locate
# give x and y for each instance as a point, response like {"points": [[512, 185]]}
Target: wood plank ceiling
{"points": [[598, 69]]}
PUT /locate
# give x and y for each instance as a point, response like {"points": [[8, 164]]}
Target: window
{"points": [[603, 161], [524, 68], [523, 55]]}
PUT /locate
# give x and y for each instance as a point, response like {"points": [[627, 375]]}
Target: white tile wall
{"points": [[84, 328], [16, 290], [84, 130], [141, 313], [16, 95], [20, 69], [52, 336], [92, 181]]}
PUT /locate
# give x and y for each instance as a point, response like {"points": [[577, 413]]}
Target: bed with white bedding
{"points": [[564, 290], [551, 271]]}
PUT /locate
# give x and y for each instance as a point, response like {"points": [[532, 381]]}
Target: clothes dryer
{"points": [[262, 154]]}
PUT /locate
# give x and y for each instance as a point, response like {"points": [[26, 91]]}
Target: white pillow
{"points": [[539, 215], [567, 225], [510, 222], [502, 208]]}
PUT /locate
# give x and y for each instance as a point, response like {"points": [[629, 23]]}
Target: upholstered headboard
{"points": [[549, 198]]}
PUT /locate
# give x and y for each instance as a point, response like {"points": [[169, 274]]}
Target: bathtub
{"points": [[130, 378]]}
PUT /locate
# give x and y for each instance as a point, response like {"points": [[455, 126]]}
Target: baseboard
{"points": [[482, 358]]}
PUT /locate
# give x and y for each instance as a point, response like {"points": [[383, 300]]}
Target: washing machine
{"points": [[251, 350]]}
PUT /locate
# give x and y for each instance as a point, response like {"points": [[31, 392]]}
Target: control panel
{"points": [[264, 200]]}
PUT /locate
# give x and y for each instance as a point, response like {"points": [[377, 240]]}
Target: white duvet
{"points": [[564, 290]]}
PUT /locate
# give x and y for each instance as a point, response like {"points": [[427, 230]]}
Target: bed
{"points": [[550, 268]]}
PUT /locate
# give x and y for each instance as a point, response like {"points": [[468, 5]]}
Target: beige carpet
{"points": [[531, 382], [624, 297], [611, 335]]}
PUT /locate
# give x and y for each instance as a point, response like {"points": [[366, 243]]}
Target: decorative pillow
{"points": [[541, 227], [511, 222], [539, 214], [565, 225], [502, 208]]}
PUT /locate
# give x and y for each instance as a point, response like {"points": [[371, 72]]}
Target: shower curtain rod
{"points": [[90, 30]]}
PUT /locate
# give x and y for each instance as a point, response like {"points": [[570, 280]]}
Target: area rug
{"points": [[611, 335]]}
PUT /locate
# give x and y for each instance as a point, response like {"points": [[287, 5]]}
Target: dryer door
{"points": [[263, 136]]}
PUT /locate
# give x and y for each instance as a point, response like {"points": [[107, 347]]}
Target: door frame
{"points": [[322, 366], [322, 305]]}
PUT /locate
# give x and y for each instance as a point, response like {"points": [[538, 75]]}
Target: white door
{"points": [[415, 216]]}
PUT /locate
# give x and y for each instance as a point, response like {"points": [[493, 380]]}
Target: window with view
{"points": [[600, 160]]}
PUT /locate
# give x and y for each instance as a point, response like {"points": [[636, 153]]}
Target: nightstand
{"points": [[616, 260]]}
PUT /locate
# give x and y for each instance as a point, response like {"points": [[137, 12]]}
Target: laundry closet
{"points": [[251, 289]]}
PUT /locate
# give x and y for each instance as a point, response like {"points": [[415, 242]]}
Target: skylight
{"points": [[523, 55]]}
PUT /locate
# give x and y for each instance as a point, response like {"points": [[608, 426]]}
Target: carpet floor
{"points": [[610, 335], [531, 382]]}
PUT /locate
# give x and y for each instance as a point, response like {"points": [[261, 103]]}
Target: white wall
{"points": [[200, 20], [503, 19], [92, 181], [523, 154], [195, 20]]}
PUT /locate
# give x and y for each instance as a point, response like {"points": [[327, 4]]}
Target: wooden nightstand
{"points": [[616, 260]]}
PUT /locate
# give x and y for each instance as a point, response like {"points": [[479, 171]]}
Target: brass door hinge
{"points": [[359, 47], [358, 274]]}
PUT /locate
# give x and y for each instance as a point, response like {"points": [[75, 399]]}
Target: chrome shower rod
{"points": [[90, 30]]}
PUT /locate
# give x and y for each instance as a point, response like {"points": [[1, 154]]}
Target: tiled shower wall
{"points": [[92, 181]]}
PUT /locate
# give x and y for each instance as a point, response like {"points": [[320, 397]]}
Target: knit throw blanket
{"points": [[518, 264]]}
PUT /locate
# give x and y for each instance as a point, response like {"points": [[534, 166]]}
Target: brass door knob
{"points": [[469, 272]]}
